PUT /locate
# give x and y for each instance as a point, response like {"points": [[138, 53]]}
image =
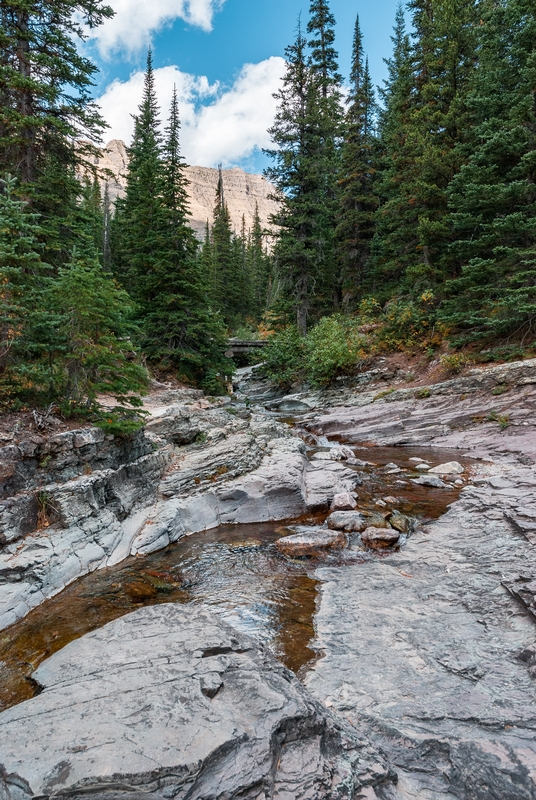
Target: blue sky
{"points": [[225, 58]]}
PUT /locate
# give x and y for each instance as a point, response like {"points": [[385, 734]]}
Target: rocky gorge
{"points": [[424, 681]]}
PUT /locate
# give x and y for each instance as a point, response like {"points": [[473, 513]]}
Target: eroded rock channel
{"points": [[418, 661]]}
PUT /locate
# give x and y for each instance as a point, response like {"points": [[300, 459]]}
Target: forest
{"points": [[407, 213]]}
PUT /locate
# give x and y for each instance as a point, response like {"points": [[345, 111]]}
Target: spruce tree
{"points": [[357, 195], [179, 330], [259, 267], [45, 84], [298, 173], [492, 199], [326, 115], [227, 278], [424, 122], [26, 323], [138, 218]]}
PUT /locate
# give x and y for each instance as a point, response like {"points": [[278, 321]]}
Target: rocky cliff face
{"points": [[243, 191]]}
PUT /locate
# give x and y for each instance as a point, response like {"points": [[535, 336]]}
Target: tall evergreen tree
{"points": [[326, 115], [138, 217], [324, 57], [298, 173], [45, 84], [358, 199], [259, 267], [492, 199], [179, 330], [424, 121]]}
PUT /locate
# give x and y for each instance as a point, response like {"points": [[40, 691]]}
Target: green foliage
{"points": [[423, 393], [306, 158], [455, 362], [493, 204], [333, 347], [407, 323], [357, 195], [284, 357], [502, 419]]}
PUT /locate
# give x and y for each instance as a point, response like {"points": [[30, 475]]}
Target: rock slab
{"points": [[171, 702], [311, 542]]}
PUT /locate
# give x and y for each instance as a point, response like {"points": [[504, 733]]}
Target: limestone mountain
{"points": [[243, 191]]}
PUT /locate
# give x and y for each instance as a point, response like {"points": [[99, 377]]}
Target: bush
{"points": [[455, 363], [333, 347], [284, 357], [409, 323]]}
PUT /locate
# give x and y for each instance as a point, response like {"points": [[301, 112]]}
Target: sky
{"points": [[226, 59]]}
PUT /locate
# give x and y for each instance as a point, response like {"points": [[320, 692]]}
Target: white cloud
{"points": [[217, 125], [135, 20]]}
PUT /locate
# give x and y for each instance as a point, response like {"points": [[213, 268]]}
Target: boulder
{"points": [[169, 701], [400, 522], [341, 453], [450, 468], [429, 480], [347, 521], [311, 541], [343, 502], [423, 466], [379, 538]]}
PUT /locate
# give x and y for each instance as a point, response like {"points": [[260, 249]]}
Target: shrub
{"points": [[333, 347], [453, 364], [284, 357]]}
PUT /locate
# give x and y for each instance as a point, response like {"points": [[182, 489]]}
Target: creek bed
{"points": [[234, 569]]}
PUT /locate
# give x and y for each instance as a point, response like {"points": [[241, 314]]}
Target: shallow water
{"points": [[235, 569]]}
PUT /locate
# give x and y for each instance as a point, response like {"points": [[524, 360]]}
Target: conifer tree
{"points": [[492, 199], [259, 267], [358, 198], [325, 116], [25, 322], [298, 173], [45, 84], [228, 279], [178, 327], [138, 219], [424, 121]]}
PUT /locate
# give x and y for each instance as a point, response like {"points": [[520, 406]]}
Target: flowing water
{"points": [[234, 569]]}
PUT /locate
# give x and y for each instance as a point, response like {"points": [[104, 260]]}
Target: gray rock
{"points": [[401, 522], [433, 657], [450, 468], [171, 702], [347, 521], [429, 480], [311, 541], [343, 502], [379, 538]]}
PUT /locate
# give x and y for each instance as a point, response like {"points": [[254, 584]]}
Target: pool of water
{"points": [[234, 569]]}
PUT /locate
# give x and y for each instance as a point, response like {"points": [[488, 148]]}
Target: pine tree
{"points": [[492, 199], [179, 330], [324, 57], [45, 84], [259, 267], [25, 322], [358, 198], [138, 218], [326, 115], [299, 175], [424, 121], [93, 351], [227, 278]]}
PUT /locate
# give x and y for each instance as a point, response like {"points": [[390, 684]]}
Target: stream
{"points": [[234, 569]]}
